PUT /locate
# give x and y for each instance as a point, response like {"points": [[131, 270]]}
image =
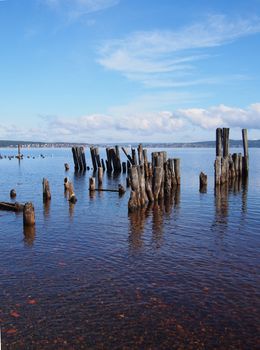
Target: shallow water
{"points": [[177, 275]]}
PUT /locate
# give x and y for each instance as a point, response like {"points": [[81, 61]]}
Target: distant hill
{"points": [[201, 144]]}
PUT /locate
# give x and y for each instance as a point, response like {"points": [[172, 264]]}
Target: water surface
{"points": [[183, 274]]}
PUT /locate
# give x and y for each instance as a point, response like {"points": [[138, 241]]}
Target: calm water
{"points": [[178, 275]]}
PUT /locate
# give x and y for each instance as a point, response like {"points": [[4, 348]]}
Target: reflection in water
{"points": [[29, 235], [46, 208], [71, 209], [157, 211], [244, 195], [222, 194]]}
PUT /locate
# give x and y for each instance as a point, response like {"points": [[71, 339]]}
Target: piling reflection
{"points": [[71, 209], [29, 235], [156, 212], [46, 208], [222, 194]]}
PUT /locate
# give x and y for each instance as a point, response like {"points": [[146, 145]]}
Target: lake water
{"points": [[177, 275]]}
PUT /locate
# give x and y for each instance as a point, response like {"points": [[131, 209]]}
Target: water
{"points": [[184, 275]]}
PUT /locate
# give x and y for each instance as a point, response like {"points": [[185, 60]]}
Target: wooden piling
{"points": [[109, 160], [140, 154], [66, 184], [13, 193], [100, 176], [75, 158], [177, 170], [46, 190], [19, 151], [118, 159], [218, 142], [246, 155], [124, 167], [92, 184], [83, 158], [203, 182], [217, 166], [72, 196], [103, 164], [121, 190], [157, 181], [134, 160], [93, 158], [28, 214], [134, 200], [225, 133]]}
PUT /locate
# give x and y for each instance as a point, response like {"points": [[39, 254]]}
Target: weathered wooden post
{"points": [[72, 196], [28, 214], [145, 158], [19, 151], [240, 164], [46, 190], [75, 158], [109, 161], [134, 201], [66, 184], [217, 170], [246, 155], [92, 184], [225, 142], [103, 165], [203, 182], [121, 189], [218, 142], [100, 176], [140, 154], [124, 167], [118, 160], [93, 158], [177, 170], [157, 181], [13, 193], [134, 160]]}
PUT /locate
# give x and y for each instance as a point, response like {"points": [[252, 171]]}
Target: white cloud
{"points": [[144, 56], [142, 126], [222, 115]]}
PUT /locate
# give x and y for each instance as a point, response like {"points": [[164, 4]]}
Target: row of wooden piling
{"points": [[227, 166], [151, 181], [79, 158]]}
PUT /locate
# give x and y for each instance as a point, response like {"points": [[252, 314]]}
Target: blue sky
{"points": [[128, 70]]}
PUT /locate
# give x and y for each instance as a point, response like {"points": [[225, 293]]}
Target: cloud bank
{"points": [[153, 126]]}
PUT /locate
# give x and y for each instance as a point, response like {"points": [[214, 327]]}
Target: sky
{"points": [[99, 71]]}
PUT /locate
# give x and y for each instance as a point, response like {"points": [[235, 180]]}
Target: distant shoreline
{"points": [[201, 144]]}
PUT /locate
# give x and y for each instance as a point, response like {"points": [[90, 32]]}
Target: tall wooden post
{"points": [[177, 170], [100, 176], [246, 155], [225, 142], [218, 142]]}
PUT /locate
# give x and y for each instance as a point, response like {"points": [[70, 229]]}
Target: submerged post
{"points": [[46, 190], [203, 182], [28, 214]]}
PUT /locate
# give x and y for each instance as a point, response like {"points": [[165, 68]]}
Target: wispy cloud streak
{"points": [[143, 55], [77, 8]]}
